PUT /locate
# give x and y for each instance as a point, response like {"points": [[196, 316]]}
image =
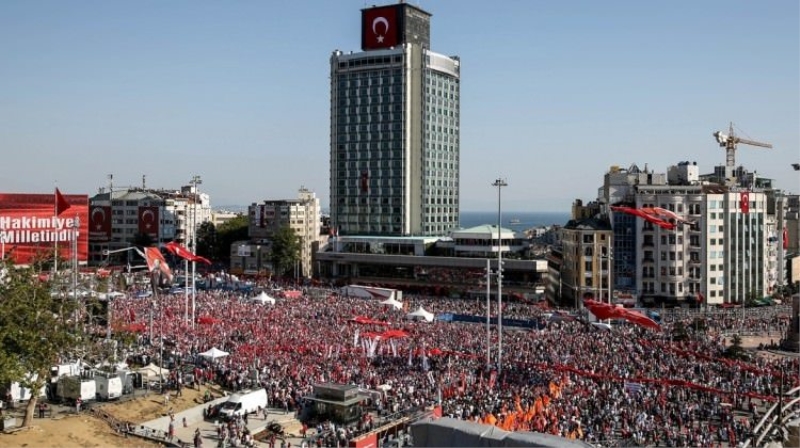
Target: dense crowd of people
{"points": [[568, 378]]}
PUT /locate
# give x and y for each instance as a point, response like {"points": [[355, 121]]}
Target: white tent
{"points": [[263, 298], [420, 313], [392, 302], [602, 325], [214, 354], [153, 371]]}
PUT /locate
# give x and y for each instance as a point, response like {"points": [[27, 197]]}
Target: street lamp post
{"points": [[195, 181], [499, 183], [488, 313]]}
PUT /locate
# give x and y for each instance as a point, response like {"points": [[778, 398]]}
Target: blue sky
{"points": [[553, 92]]}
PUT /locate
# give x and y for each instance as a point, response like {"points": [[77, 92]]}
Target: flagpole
{"points": [[186, 291], [55, 234]]}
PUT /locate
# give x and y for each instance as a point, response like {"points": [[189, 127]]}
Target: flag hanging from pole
{"points": [[185, 253], [744, 202], [61, 203]]}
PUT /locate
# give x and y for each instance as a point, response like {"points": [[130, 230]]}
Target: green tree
{"points": [[35, 329], [207, 244], [285, 250], [736, 351], [229, 232]]}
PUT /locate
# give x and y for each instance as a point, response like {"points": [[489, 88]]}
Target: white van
{"points": [[243, 403]]}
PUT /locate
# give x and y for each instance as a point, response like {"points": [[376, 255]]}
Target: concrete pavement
{"points": [[208, 429]]}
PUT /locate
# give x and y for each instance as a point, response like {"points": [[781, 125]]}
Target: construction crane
{"points": [[729, 142]]}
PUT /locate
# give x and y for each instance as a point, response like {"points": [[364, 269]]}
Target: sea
{"points": [[514, 220]]}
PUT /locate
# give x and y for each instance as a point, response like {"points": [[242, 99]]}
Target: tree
{"points": [[229, 232], [736, 351], [285, 250], [35, 330], [207, 241]]}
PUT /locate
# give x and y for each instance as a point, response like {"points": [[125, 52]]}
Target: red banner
{"points": [[744, 202], [148, 221], [30, 229], [100, 224], [380, 27]]}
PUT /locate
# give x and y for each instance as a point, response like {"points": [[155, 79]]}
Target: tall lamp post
{"points": [[499, 183], [195, 181]]}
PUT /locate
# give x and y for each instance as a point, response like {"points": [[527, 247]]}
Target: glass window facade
{"points": [[394, 157]]}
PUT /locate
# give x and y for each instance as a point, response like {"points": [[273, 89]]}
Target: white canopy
{"points": [[602, 325], [263, 298], [214, 354], [392, 302], [153, 371], [420, 313]]}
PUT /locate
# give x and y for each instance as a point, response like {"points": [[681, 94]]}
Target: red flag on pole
{"points": [[61, 203], [185, 253]]}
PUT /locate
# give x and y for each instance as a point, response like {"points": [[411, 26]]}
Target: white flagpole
{"points": [[186, 292], [55, 234]]}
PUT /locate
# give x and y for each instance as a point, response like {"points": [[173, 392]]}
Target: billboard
{"points": [[30, 228], [381, 27]]}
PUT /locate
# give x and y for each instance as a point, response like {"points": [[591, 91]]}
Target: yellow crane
{"points": [[729, 142]]}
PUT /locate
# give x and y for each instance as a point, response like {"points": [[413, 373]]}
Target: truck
{"points": [[60, 370], [243, 403], [109, 386], [70, 388], [18, 393]]}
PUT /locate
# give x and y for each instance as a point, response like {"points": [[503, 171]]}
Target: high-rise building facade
{"points": [[302, 215], [395, 130]]}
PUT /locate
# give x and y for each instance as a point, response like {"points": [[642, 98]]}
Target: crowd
{"points": [[568, 378]]}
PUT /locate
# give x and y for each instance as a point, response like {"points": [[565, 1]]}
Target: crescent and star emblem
{"points": [[377, 21], [98, 211], [148, 222]]}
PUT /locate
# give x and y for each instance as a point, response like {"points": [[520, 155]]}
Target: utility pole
{"points": [[499, 183], [488, 313]]}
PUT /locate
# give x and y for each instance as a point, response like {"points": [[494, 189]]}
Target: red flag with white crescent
{"points": [[185, 253], [744, 202]]}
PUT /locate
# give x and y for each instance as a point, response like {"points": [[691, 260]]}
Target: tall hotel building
{"points": [[394, 157]]}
